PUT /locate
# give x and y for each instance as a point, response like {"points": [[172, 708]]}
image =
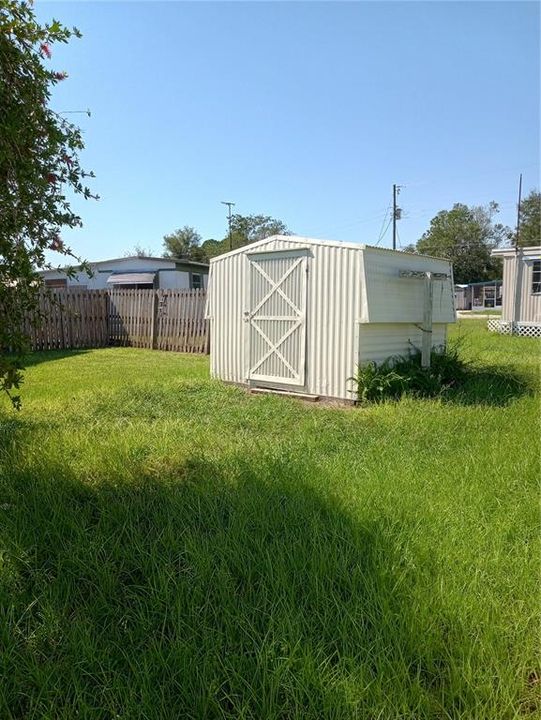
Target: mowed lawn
{"points": [[174, 548]]}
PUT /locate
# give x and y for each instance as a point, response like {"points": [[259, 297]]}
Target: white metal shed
{"points": [[299, 314]]}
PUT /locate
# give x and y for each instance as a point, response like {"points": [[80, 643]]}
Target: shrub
{"points": [[403, 375]]}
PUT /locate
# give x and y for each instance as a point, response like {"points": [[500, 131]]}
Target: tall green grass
{"points": [[174, 548]]}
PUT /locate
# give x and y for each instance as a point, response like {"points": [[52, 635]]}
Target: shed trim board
{"points": [[341, 305]]}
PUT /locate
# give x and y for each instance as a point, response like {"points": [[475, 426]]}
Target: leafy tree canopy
{"points": [[466, 236], [39, 168], [139, 251], [184, 243], [530, 220], [245, 229]]}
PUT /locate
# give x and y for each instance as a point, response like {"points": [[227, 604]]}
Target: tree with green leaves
{"points": [[211, 248], [466, 236], [39, 169], [184, 243], [530, 220], [139, 251], [245, 229]]}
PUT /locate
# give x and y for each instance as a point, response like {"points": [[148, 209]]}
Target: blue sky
{"points": [[305, 111]]}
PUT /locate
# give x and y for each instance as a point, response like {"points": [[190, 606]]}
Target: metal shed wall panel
{"points": [[333, 311], [379, 341], [391, 298], [226, 302]]}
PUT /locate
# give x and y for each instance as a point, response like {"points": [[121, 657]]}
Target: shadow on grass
{"points": [[496, 386], [43, 356], [234, 590]]}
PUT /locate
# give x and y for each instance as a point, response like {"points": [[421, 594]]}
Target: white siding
{"points": [[337, 303], [379, 341], [530, 303], [103, 270], [526, 306], [508, 288], [169, 278], [133, 264], [81, 279], [174, 280]]}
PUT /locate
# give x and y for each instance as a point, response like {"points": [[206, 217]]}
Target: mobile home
{"points": [[521, 304]]}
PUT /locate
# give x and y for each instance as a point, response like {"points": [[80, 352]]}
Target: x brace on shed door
{"points": [[277, 317]]}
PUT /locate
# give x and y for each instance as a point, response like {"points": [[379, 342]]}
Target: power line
{"points": [[75, 112], [384, 232], [472, 176], [360, 221], [382, 224]]}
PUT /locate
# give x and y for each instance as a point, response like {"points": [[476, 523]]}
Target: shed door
{"points": [[277, 317]]}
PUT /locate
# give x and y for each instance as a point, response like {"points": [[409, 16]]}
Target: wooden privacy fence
{"points": [[158, 319], [69, 319]]}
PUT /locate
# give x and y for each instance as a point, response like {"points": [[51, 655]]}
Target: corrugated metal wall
{"points": [[334, 299], [225, 307], [379, 341], [336, 308], [529, 307]]}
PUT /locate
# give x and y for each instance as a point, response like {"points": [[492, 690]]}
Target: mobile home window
{"points": [[56, 283], [536, 276], [197, 281]]}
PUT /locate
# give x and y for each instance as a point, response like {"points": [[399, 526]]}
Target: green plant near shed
{"points": [[403, 375]]}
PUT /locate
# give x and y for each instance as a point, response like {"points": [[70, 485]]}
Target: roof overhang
{"points": [[306, 241], [533, 251]]}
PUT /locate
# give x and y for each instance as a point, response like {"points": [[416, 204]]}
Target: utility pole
{"points": [[518, 210], [229, 204], [397, 212]]}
